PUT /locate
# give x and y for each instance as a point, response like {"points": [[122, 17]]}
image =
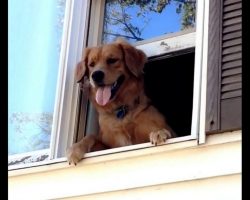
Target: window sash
{"points": [[168, 43], [66, 101], [68, 91]]}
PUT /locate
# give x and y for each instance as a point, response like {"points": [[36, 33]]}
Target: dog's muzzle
{"points": [[98, 77]]}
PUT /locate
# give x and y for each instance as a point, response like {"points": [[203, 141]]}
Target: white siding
{"points": [[209, 171]]}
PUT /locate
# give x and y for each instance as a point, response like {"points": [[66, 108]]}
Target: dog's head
{"points": [[110, 68]]}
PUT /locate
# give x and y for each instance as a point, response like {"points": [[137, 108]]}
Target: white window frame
{"points": [[66, 101], [181, 41], [162, 45], [75, 33]]}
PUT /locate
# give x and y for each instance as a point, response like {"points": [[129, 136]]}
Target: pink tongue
{"points": [[103, 95]]}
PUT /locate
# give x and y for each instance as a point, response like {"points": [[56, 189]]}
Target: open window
{"points": [[171, 34], [173, 75], [169, 84]]}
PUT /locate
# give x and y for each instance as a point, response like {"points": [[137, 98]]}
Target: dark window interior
{"points": [[169, 84]]}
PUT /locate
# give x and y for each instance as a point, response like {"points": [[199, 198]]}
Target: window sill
{"points": [[126, 152], [116, 153], [164, 164]]}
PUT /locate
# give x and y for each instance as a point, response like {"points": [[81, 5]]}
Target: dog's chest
{"points": [[117, 132]]}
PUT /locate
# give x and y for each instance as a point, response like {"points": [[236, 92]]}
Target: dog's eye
{"points": [[92, 64], [112, 60]]}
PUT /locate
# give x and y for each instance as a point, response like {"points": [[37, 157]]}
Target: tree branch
{"points": [[127, 26]]}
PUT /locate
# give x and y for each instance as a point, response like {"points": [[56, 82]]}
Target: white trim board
{"points": [[129, 171]]}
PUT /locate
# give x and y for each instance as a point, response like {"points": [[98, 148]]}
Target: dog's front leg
{"points": [[76, 152], [159, 137]]}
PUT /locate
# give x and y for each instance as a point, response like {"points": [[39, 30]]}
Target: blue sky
{"points": [[33, 59], [161, 23], [158, 23]]}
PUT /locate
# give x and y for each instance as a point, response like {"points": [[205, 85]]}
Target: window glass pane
{"points": [[139, 20], [34, 40]]}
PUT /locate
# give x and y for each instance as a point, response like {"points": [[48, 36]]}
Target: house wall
{"points": [[173, 171]]}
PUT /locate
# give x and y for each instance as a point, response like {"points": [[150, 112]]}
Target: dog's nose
{"points": [[98, 76]]}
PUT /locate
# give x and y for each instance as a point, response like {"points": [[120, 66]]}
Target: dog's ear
{"points": [[134, 58], [81, 68]]}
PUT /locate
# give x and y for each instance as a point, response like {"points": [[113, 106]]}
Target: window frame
{"points": [[183, 40], [75, 37], [65, 108]]}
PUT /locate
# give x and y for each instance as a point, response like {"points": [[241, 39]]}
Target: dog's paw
{"points": [[74, 154], [159, 137]]}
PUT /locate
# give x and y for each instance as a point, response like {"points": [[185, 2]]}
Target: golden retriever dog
{"points": [[116, 89]]}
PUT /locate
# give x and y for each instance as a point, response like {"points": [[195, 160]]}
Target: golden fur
{"points": [[142, 122]]}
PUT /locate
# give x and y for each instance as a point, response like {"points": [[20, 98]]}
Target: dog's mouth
{"points": [[106, 93]]}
